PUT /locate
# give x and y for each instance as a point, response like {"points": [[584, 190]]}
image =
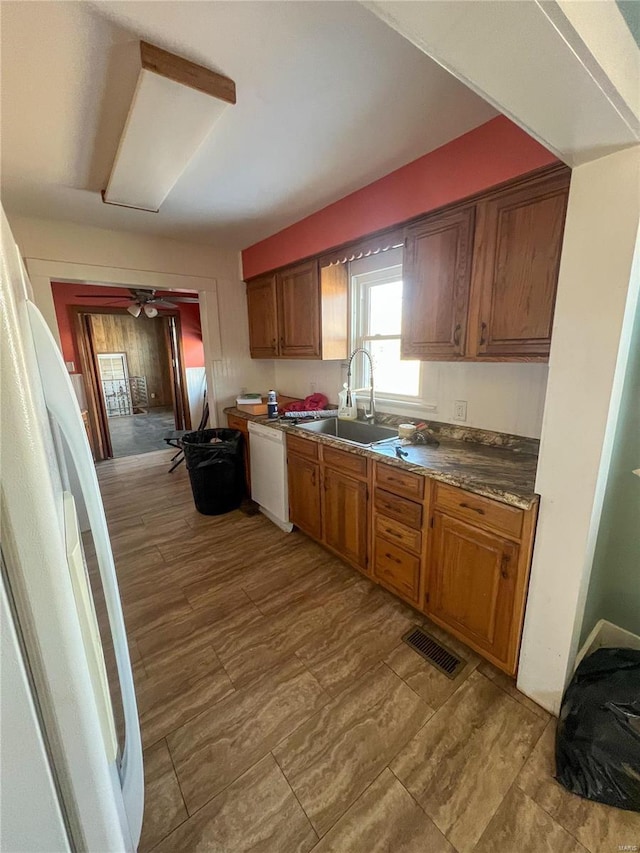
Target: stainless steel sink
{"points": [[354, 432]]}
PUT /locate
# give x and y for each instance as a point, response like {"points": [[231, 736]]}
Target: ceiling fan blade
{"points": [[161, 303], [190, 299], [113, 298]]}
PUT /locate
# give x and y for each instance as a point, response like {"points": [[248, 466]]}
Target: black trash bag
{"points": [[598, 735], [215, 464]]}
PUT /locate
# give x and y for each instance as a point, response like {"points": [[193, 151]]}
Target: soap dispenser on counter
{"points": [[347, 406]]}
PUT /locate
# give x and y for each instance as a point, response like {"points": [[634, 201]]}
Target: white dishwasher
{"points": [[269, 486]]}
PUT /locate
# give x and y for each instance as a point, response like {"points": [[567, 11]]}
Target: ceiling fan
{"points": [[143, 300]]}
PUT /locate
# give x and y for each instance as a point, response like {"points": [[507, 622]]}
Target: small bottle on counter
{"points": [[272, 405]]}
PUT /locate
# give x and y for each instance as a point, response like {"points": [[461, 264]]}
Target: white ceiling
{"points": [[329, 99]]}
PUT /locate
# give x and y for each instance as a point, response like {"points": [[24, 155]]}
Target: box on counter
{"points": [[252, 404]]}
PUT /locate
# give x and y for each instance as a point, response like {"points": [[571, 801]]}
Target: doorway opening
{"points": [[135, 380]]}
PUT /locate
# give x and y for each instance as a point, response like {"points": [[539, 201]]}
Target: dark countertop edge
{"points": [[519, 500]]}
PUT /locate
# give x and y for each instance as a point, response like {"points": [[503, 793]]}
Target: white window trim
{"points": [[381, 269]]}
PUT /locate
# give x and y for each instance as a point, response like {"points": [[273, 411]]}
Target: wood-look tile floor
{"points": [[281, 712]]}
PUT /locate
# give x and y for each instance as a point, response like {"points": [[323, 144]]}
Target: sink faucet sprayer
{"points": [[371, 414]]}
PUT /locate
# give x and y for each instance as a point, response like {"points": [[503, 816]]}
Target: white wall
{"points": [[229, 369], [592, 331], [501, 397]]}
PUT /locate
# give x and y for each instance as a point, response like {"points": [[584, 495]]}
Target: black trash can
{"points": [[215, 464]]}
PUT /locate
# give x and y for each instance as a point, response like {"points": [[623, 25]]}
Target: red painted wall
{"points": [[488, 155], [65, 295]]}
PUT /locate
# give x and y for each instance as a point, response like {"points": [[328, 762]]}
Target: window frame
{"points": [[386, 271]]}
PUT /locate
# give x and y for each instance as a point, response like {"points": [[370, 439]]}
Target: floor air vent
{"points": [[433, 651]]}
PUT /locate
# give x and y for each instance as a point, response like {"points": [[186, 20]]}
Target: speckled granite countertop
{"points": [[497, 466]]}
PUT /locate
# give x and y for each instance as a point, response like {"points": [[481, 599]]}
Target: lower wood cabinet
{"points": [[460, 558], [305, 508], [472, 582], [234, 422], [397, 569], [345, 514]]}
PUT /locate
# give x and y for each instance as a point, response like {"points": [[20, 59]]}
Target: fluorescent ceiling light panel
{"points": [[175, 105]]}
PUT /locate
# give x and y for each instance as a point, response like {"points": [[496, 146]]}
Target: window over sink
{"points": [[376, 307]]}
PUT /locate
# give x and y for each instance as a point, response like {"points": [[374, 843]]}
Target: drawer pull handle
{"points": [[394, 559], [392, 532], [473, 508], [483, 334], [456, 334]]}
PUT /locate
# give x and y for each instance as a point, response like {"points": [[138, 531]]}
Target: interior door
{"points": [[178, 383]]}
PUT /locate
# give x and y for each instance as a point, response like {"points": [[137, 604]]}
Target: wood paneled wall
{"points": [[143, 341]]}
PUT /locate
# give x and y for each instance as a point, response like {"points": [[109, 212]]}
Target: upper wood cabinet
{"points": [[480, 280], [263, 317], [299, 312], [436, 275], [515, 272]]}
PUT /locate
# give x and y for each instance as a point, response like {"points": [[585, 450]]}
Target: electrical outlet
{"points": [[460, 410], [313, 384], [153, 395]]}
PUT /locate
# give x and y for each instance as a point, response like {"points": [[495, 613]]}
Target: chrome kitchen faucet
{"points": [[371, 414]]}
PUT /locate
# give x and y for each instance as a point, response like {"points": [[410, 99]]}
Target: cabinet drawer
{"points": [[400, 509], [400, 534], [400, 482], [234, 422], [302, 446], [396, 568], [345, 462], [481, 511]]}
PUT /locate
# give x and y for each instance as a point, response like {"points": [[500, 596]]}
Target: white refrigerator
{"points": [[71, 775]]}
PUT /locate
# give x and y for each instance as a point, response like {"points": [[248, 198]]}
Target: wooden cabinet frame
{"points": [[300, 312], [468, 339], [410, 538]]}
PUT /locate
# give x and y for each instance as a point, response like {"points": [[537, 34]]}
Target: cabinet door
{"points": [[436, 276], [241, 424], [471, 587], [518, 245], [304, 495], [263, 317], [346, 517], [299, 311]]}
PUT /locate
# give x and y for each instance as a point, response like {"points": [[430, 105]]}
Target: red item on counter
{"points": [[315, 402], [312, 403]]}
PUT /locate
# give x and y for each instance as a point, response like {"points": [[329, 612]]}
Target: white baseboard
{"points": [[607, 635]]}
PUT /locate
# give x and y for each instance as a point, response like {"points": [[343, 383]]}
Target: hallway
{"points": [[142, 433], [281, 712]]}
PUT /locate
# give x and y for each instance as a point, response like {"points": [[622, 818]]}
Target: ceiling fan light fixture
{"points": [[134, 310], [175, 105], [150, 310]]}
